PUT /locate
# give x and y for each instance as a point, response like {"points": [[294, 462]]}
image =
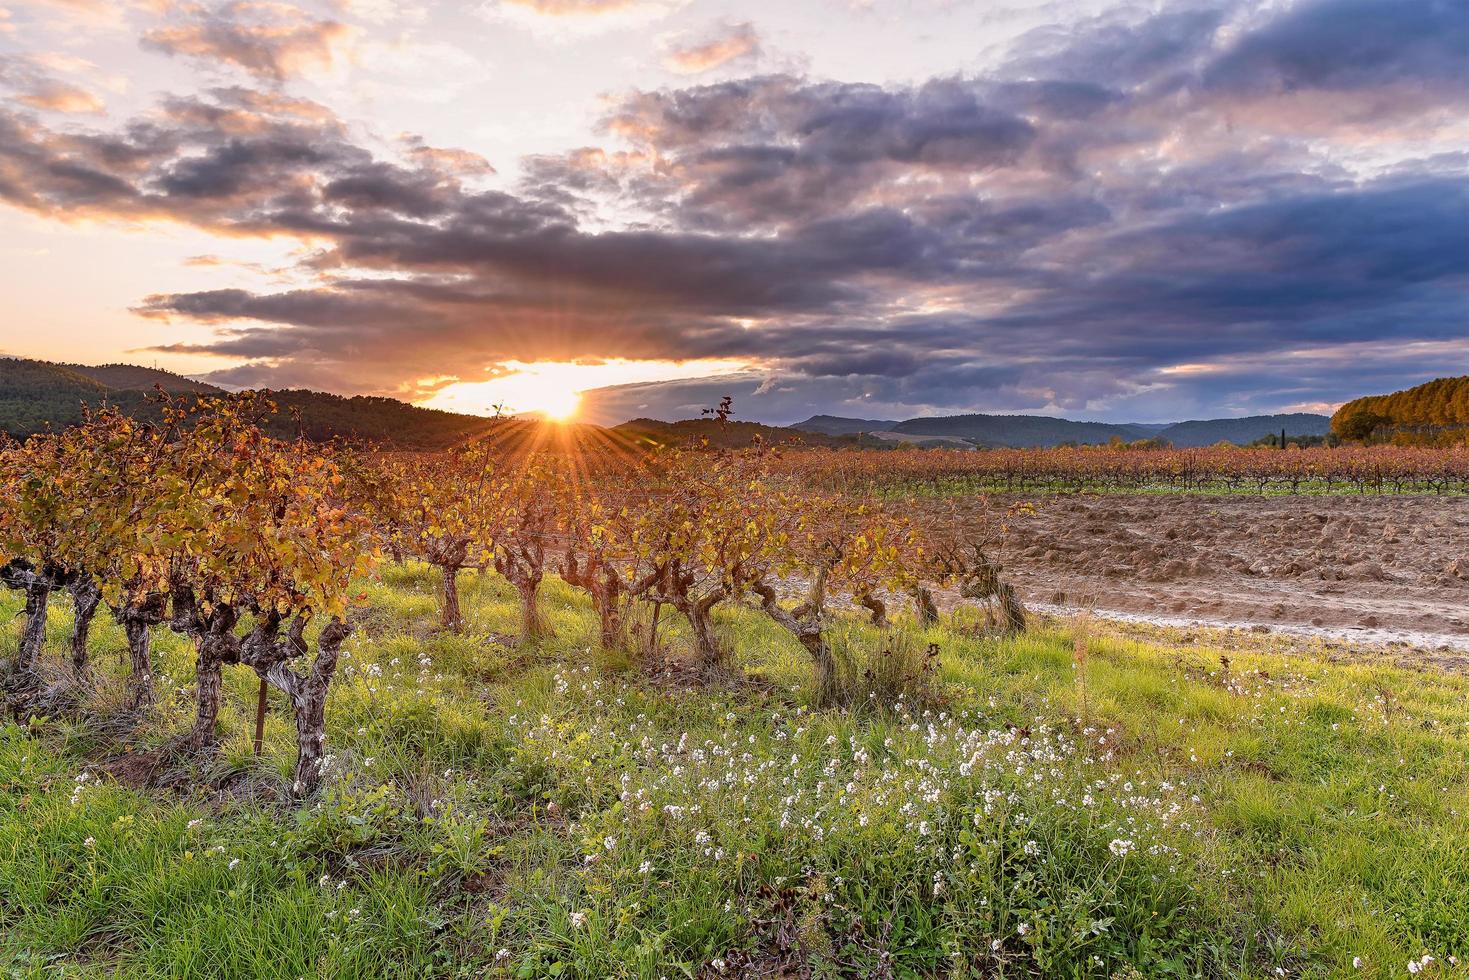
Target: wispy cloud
{"points": [[33, 85], [561, 19], [269, 40], [730, 43]]}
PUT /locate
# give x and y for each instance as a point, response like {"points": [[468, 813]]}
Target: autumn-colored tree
{"points": [[39, 511], [132, 475], [307, 555]]}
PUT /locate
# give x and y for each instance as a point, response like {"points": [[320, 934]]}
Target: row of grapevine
{"points": [[1356, 469], [687, 530], [249, 546], [242, 543]]}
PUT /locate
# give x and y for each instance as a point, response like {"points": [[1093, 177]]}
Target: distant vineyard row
{"points": [[1343, 469]]}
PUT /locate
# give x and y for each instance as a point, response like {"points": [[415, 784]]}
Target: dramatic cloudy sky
{"points": [[879, 208]]}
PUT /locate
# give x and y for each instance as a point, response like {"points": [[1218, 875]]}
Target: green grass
{"points": [[558, 805]]}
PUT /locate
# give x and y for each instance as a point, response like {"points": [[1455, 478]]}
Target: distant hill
{"points": [[732, 435], [385, 421], [1043, 430], [976, 430], [38, 394], [1016, 430], [130, 377], [1437, 406], [894, 439], [35, 394], [835, 425], [1244, 431]]}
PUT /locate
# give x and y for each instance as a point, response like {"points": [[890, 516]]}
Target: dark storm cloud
{"points": [[1347, 45], [1157, 53], [777, 150], [1122, 220], [1343, 61]]}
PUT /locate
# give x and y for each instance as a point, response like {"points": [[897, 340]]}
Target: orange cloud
{"points": [[61, 97], [267, 39], [734, 41], [574, 8], [36, 87]]}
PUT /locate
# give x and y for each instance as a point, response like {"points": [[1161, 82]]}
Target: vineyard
{"points": [[1225, 469], [519, 709], [248, 546]]}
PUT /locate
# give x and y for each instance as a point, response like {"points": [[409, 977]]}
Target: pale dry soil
{"points": [[1373, 570]]}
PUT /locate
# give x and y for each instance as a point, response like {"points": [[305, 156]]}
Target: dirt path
{"points": [[1370, 569]]}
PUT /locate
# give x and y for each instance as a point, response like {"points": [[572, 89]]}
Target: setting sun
{"points": [[554, 388], [559, 405]]}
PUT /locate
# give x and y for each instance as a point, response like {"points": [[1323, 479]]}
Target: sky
{"points": [[869, 208]]}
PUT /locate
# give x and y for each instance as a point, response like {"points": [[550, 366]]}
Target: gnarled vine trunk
{"points": [[215, 644], [708, 650], [807, 623], [23, 672], [605, 588], [877, 610], [85, 598], [677, 588], [270, 654], [37, 587], [209, 682], [524, 568], [924, 606], [532, 624], [140, 660], [449, 556], [137, 620], [607, 601], [698, 610], [983, 583], [450, 616]]}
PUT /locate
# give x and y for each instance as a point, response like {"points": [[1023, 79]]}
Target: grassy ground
{"points": [[553, 812]]}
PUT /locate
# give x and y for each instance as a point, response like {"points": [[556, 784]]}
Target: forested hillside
{"points": [[131, 377], [1016, 430], [35, 395], [727, 435], [1244, 431], [385, 421], [1022, 431]]}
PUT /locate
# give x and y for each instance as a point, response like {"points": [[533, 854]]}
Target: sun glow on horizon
{"points": [[554, 389]]}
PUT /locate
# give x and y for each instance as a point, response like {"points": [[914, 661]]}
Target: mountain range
{"points": [[35, 395], [1043, 430]]}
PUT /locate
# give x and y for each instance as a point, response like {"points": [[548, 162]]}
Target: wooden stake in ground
{"points": [[260, 708]]}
